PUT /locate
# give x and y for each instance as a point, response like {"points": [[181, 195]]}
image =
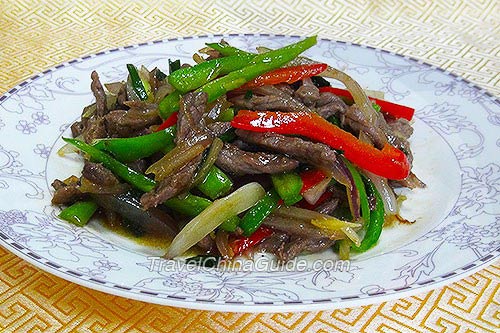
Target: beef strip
{"points": [[189, 118], [328, 207], [269, 98], [400, 127], [172, 185], [297, 245], [99, 94], [316, 154], [95, 128], [98, 174], [330, 104], [66, 193], [273, 244], [307, 93], [238, 162], [207, 244], [355, 119]]}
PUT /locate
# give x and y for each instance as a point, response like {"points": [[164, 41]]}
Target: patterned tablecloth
{"points": [[460, 36]]}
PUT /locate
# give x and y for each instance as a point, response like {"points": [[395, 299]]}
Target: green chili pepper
{"points": [[360, 186], [259, 64], [288, 186], [374, 228], [189, 205], [215, 184], [253, 218], [169, 104], [230, 224], [226, 50], [190, 78], [132, 177], [130, 149], [137, 83], [79, 213]]}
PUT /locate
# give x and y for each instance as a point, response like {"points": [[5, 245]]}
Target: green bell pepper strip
{"points": [[260, 64], [189, 205], [130, 149], [360, 186], [132, 177], [374, 228], [169, 104], [215, 184], [230, 224], [79, 213], [253, 218], [226, 115], [190, 78], [137, 83], [226, 50], [288, 185]]}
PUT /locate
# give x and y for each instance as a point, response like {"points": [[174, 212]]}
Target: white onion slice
{"points": [[213, 216]]}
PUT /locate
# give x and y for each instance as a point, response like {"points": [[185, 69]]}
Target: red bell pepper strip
{"points": [[170, 121], [311, 178], [393, 109], [286, 74], [242, 243], [389, 162]]}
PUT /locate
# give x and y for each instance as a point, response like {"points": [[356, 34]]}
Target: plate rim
{"points": [[201, 304]]}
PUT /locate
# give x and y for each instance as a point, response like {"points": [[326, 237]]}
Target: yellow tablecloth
{"points": [[460, 36]]}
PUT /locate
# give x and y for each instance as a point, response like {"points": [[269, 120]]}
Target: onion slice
{"points": [[214, 215], [177, 158]]}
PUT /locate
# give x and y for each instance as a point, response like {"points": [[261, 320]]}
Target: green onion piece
{"points": [[137, 83]]}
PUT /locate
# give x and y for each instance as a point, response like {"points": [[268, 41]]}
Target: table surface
{"points": [[460, 36]]}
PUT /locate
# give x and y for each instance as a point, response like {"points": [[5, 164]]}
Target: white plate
{"points": [[456, 147]]}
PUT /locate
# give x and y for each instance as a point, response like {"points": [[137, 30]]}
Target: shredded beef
{"points": [[99, 94], [307, 93], [131, 122], [296, 245], [330, 104], [65, 194], [98, 174], [316, 154], [172, 185]]}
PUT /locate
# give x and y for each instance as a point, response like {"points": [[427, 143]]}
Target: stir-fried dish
{"points": [[241, 152]]}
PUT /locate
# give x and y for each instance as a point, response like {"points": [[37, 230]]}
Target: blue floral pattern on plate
{"points": [[456, 147]]}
